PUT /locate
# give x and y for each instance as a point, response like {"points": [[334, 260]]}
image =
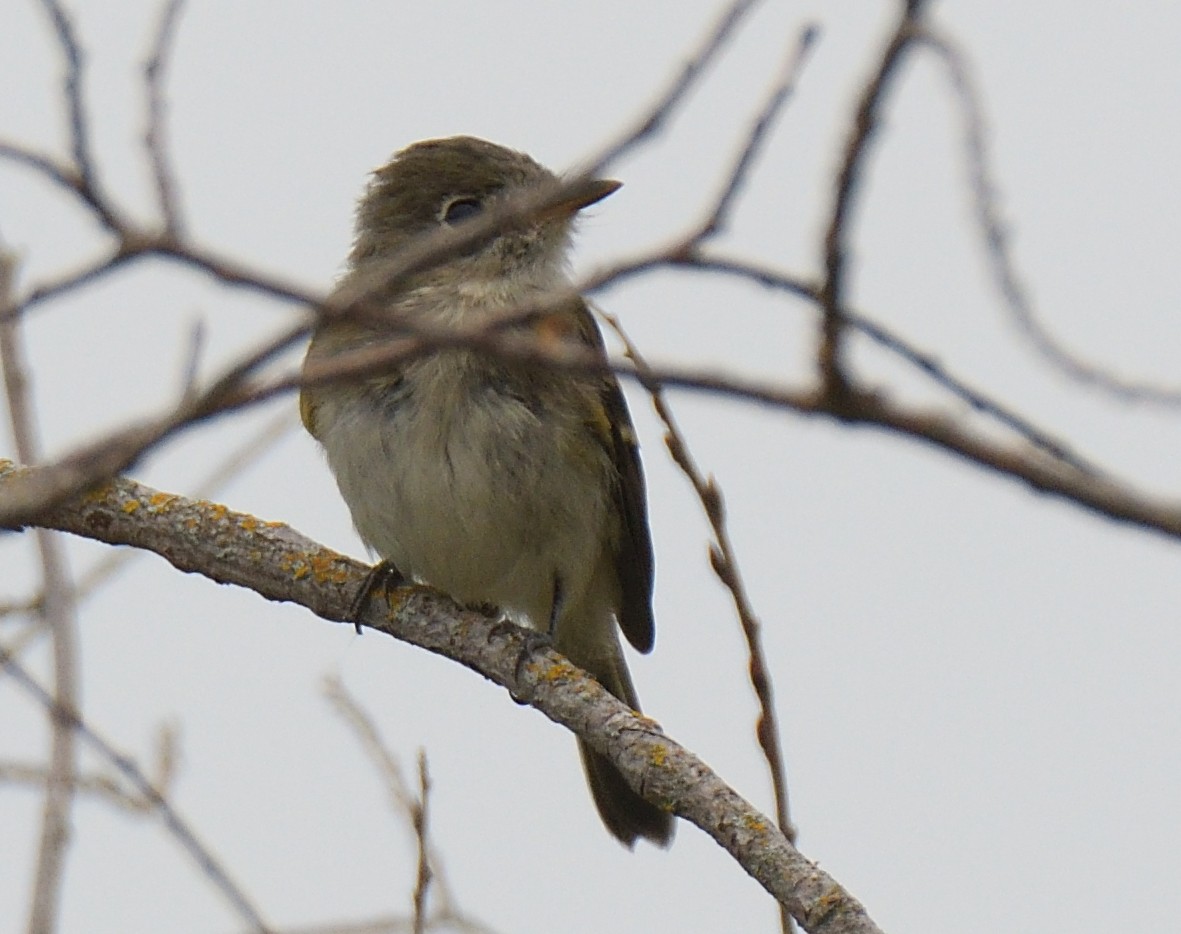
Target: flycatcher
{"points": [[498, 481]]}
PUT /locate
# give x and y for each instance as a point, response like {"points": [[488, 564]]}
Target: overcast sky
{"points": [[979, 687]]}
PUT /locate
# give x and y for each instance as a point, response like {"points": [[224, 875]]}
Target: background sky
{"points": [[979, 687]]}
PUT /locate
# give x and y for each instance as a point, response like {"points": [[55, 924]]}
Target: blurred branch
{"points": [[775, 100], [409, 805], [923, 362], [100, 786], [81, 177], [56, 610], [280, 564], [144, 788], [654, 116], [420, 814], [26, 494], [996, 246], [154, 136], [105, 787]]}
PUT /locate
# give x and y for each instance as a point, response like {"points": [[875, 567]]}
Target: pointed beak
{"points": [[588, 192]]}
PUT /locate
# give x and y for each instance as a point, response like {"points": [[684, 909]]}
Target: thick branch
{"points": [[280, 564]]}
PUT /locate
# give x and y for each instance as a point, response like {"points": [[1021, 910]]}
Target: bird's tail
{"points": [[594, 646]]}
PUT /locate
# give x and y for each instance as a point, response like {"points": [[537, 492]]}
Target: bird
{"points": [[500, 481]]}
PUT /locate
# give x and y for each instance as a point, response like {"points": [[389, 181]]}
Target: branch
{"points": [[154, 136], [85, 179], [179, 828], [836, 247], [56, 608], [725, 565], [776, 99], [996, 248], [280, 564], [657, 113]]}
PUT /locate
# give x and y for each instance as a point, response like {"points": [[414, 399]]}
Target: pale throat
{"points": [[470, 298]]}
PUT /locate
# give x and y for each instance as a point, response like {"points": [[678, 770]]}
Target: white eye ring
{"points": [[461, 209]]}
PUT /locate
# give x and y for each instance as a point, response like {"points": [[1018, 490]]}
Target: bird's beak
{"points": [[583, 194]]}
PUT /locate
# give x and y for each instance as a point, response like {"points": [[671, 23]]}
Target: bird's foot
{"points": [[382, 576]]}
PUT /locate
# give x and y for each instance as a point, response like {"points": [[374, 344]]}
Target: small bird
{"points": [[500, 482]]}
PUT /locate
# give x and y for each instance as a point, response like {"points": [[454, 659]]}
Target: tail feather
{"points": [[624, 812]]}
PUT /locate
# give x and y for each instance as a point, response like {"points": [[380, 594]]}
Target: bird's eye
{"points": [[461, 209]]}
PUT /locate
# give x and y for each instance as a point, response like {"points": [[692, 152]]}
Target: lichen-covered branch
{"points": [[278, 563]]}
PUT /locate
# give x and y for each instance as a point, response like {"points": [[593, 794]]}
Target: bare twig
{"points": [[86, 184], [155, 140], [367, 733], [420, 814], [654, 115], [725, 565], [103, 787], [192, 368], [994, 233], [832, 299], [410, 806], [54, 171], [56, 609], [779, 94], [100, 786], [882, 336], [176, 825], [448, 924]]}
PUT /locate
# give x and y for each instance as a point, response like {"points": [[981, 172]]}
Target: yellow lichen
{"points": [[328, 570], [159, 501], [294, 566], [756, 825], [131, 506]]}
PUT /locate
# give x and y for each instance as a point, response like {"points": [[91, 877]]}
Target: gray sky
{"points": [[979, 687]]}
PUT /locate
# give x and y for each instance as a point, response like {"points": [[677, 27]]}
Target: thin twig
{"points": [[103, 787], [54, 171], [924, 362], [776, 98], [87, 186], [155, 136], [100, 786], [725, 565], [68, 282], [655, 114], [408, 805], [126, 767], [362, 725], [994, 233], [420, 814], [830, 357], [192, 368]]}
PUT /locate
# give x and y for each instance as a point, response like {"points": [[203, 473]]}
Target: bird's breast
{"points": [[475, 483]]}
